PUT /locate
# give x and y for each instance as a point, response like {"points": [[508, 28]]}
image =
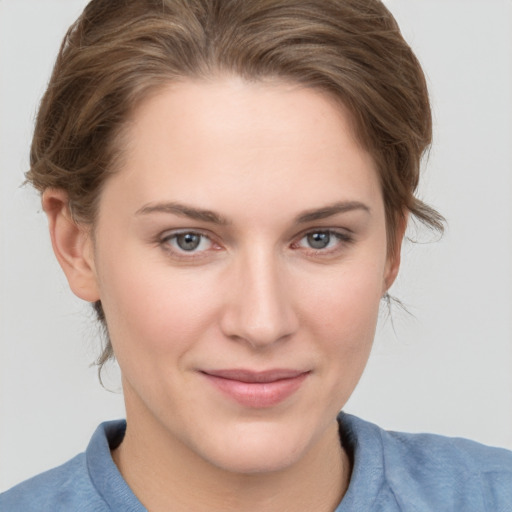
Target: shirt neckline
{"points": [[361, 440]]}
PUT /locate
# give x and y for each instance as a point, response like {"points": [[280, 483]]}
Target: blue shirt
{"points": [[392, 472]]}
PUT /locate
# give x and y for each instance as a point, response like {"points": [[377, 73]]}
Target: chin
{"points": [[257, 461], [258, 448]]}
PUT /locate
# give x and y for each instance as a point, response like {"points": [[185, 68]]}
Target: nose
{"points": [[258, 308]]}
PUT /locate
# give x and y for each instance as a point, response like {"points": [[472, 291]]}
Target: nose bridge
{"points": [[260, 310]]}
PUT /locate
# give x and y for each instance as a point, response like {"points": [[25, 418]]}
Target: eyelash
{"points": [[165, 243], [342, 237]]}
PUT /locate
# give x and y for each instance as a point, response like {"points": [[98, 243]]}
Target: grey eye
{"points": [[319, 240], [188, 241]]}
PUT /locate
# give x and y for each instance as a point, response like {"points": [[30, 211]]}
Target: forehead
{"points": [[209, 139]]}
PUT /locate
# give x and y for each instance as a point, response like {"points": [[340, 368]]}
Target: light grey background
{"points": [[446, 369]]}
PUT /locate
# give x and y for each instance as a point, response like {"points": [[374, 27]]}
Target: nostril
{"points": [[259, 327]]}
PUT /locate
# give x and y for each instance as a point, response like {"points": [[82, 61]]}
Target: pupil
{"points": [[188, 241], [319, 240]]}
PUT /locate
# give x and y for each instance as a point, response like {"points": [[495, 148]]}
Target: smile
{"points": [[257, 389]]}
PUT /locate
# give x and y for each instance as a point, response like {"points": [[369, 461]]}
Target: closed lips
{"points": [[259, 377], [256, 389]]}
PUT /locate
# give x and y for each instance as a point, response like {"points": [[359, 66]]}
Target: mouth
{"points": [[256, 389]]}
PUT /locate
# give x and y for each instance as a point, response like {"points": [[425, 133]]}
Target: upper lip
{"points": [[252, 376]]}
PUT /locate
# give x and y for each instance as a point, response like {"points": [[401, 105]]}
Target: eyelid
{"points": [[170, 233], [341, 232]]}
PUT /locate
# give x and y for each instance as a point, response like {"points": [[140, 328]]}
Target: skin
{"points": [[271, 163]]}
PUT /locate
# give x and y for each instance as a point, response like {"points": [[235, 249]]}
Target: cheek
{"points": [[150, 307], [347, 301], [343, 311]]}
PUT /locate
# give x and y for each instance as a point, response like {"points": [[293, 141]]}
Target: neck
{"points": [[164, 473]]}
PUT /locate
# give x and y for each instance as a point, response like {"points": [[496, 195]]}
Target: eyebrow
{"points": [[215, 218], [330, 210], [183, 211]]}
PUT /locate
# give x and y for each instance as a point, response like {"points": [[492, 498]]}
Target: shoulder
{"points": [[458, 469], [90, 482], [66, 487], [426, 470]]}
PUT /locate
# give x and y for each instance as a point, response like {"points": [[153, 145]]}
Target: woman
{"points": [[229, 184]]}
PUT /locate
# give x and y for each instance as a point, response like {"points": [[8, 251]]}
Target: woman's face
{"points": [[240, 257]]}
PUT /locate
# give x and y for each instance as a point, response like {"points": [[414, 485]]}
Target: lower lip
{"points": [[257, 394]]}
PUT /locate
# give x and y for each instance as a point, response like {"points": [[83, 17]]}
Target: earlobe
{"points": [[72, 245]]}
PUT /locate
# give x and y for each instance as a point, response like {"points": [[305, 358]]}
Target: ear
{"points": [[72, 245], [394, 253]]}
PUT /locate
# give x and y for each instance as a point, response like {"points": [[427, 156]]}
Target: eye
{"points": [[318, 240], [188, 242], [324, 240]]}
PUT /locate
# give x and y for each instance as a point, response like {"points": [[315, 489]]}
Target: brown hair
{"points": [[120, 51]]}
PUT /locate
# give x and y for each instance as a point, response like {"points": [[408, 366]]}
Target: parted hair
{"points": [[119, 52]]}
